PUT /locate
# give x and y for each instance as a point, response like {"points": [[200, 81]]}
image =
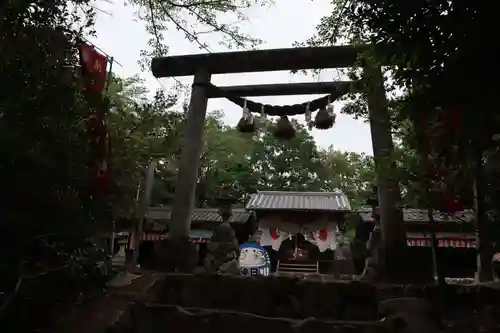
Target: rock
{"points": [[122, 279], [410, 315]]}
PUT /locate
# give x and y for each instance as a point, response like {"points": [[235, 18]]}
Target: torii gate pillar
{"points": [[393, 243], [192, 144]]}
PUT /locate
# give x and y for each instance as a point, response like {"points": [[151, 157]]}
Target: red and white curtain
{"points": [[426, 242], [323, 235], [273, 237], [156, 237], [273, 233], [325, 239]]}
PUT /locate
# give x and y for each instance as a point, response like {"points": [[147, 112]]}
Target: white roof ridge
{"points": [[298, 193]]}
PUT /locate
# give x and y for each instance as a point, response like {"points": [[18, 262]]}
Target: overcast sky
{"points": [[122, 36]]}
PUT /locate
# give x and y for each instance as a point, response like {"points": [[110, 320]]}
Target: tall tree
{"points": [[353, 173], [140, 130], [225, 160], [435, 57], [46, 258], [292, 165]]}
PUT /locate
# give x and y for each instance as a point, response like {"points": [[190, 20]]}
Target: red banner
{"points": [[94, 66], [99, 152], [94, 71]]}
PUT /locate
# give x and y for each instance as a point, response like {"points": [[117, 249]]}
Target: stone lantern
{"points": [[225, 203], [372, 263], [223, 247], [373, 203]]}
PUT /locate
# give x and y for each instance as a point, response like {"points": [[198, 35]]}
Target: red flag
{"points": [[94, 66]]}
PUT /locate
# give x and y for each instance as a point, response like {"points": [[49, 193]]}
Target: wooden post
{"points": [[484, 250], [143, 208], [183, 202], [393, 244]]}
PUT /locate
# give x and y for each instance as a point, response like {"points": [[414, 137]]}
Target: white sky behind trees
{"points": [[121, 35]]}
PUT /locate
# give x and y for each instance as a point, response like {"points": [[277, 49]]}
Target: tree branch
{"points": [[194, 4], [190, 35]]}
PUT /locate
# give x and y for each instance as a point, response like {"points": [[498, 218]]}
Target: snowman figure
{"points": [[254, 260]]}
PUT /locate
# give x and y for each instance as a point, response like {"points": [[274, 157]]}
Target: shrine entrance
{"points": [[297, 248], [202, 66]]}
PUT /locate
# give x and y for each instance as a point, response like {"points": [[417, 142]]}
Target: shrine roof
{"points": [[299, 201], [240, 215], [420, 215]]}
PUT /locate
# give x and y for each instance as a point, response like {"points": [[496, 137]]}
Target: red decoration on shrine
{"points": [[451, 205], [275, 233], [94, 66], [323, 234]]}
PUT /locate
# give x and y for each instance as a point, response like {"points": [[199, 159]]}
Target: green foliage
{"points": [[47, 214], [435, 52], [353, 173], [288, 165], [249, 163], [140, 130]]}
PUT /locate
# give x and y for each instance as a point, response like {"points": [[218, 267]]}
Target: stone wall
{"points": [[221, 303], [463, 308], [157, 318], [270, 296]]}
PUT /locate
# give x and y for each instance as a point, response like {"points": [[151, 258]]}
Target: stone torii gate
{"points": [[202, 66]]}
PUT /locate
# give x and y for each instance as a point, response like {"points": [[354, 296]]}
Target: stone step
{"points": [[302, 270], [297, 264], [144, 318], [292, 267]]}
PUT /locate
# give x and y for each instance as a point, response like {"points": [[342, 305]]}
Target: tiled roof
{"points": [[318, 201], [200, 215], [420, 215]]}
